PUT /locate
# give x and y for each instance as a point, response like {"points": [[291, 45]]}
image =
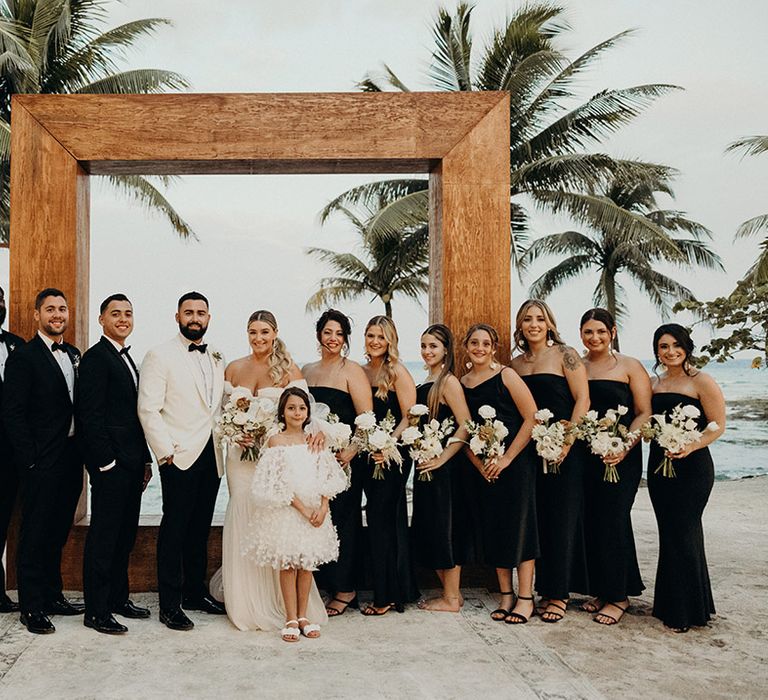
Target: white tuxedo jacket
{"points": [[173, 406]]}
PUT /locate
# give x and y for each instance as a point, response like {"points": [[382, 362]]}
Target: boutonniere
{"points": [[216, 355], [11, 347]]}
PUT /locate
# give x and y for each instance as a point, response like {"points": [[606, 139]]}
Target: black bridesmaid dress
{"points": [[346, 508], [387, 519], [504, 511], [683, 595], [614, 573], [562, 566], [438, 527]]}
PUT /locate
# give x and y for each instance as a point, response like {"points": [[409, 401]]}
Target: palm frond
{"points": [[372, 194], [450, 67], [660, 289], [5, 141], [566, 243], [752, 226], [698, 253], [671, 220], [406, 213], [140, 81], [333, 290], [558, 275], [749, 145]]}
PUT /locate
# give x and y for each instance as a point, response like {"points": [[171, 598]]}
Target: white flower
{"points": [[418, 409], [500, 430], [410, 435], [365, 421], [591, 415], [690, 424], [378, 439], [240, 418], [487, 412], [622, 410], [712, 426], [477, 445], [543, 415], [690, 411]]}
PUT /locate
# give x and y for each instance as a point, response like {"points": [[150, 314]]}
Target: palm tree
{"points": [[758, 273], [57, 47], [391, 263], [548, 140], [612, 248]]}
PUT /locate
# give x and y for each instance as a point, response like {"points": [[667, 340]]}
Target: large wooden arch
{"points": [[460, 139]]}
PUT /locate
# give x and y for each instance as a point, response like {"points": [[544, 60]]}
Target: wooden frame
{"points": [[460, 139]]}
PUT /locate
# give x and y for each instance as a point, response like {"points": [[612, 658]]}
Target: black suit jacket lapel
{"points": [[46, 352], [112, 350]]}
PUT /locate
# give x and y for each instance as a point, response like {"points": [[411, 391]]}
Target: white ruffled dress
{"points": [[279, 536]]}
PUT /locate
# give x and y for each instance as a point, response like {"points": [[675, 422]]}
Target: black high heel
{"points": [[334, 612], [514, 618], [502, 612]]}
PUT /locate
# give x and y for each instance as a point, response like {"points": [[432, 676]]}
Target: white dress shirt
{"points": [[125, 359], [3, 358], [65, 363], [203, 361]]}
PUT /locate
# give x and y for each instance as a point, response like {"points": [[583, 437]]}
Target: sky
{"points": [[253, 230]]}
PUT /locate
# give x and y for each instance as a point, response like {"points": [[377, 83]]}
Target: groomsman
{"points": [[38, 395], [180, 392], [9, 478], [119, 465]]}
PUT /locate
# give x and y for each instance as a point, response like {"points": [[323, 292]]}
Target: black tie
{"points": [[200, 348], [57, 346], [124, 351]]}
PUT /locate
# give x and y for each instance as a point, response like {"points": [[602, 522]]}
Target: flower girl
{"points": [[291, 529]]}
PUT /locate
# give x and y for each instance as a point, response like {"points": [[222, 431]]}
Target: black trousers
{"points": [[9, 483], [189, 497], [115, 505], [49, 499]]}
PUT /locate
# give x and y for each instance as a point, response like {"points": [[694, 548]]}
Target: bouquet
{"points": [[606, 436], [673, 433], [487, 438], [372, 437], [551, 439], [246, 417], [338, 435], [425, 442]]}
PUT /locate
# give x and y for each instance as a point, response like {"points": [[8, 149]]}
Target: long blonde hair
{"points": [[444, 335], [279, 359], [385, 379], [520, 342]]}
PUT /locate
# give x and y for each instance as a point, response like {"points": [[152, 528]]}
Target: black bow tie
{"points": [[200, 348], [57, 346], [124, 351]]}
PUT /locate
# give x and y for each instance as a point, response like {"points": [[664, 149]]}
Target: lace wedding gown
{"points": [[251, 592]]}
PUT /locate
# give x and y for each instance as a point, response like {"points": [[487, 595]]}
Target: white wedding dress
{"points": [[251, 593]]}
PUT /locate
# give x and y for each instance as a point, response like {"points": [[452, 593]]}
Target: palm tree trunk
{"points": [[388, 309], [610, 302]]}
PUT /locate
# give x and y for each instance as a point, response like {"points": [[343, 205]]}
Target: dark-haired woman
{"points": [[393, 391], [557, 379], [614, 380], [683, 595], [342, 385], [504, 487], [439, 527]]}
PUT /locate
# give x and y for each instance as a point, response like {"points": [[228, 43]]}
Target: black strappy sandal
{"points": [[611, 619], [335, 612], [514, 618], [554, 616], [502, 612]]}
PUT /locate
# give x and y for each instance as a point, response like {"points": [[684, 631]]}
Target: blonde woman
{"points": [[556, 377], [394, 391]]}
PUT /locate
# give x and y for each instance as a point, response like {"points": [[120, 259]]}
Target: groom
{"points": [[180, 392]]}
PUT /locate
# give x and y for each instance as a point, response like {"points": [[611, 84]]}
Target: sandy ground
{"points": [[438, 655]]}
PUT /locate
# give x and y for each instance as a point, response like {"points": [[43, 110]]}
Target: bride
{"points": [[251, 593]]}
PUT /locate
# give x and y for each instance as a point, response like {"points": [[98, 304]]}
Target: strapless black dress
{"points": [[562, 566], [346, 512], [439, 523], [683, 594], [613, 570], [386, 513], [504, 512]]}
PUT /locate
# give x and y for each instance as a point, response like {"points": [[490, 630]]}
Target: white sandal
{"points": [[310, 630], [290, 634]]}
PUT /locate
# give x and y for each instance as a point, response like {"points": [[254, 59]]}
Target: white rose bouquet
{"points": [[673, 433], [606, 437], [486, 439], [372, 437], [246, 418], [337, 435], [551, 439], [425, 442]]}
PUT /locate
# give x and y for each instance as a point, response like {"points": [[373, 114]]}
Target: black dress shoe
{"points": [[176, 620], [37, 623], [62, 606], [205, 604], [7, 605], [105, 624], [131, 610]]}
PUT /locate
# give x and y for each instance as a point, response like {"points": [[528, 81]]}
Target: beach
{"points": [[439, 655]]}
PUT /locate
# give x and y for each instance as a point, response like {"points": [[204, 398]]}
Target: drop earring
{"points": [[468, 365], [550, 341]]}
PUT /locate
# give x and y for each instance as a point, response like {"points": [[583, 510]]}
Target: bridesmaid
{"points": [[683, 595], [557, 379], [393, 390], [614, 380], [504, 489], [439, 525], [342, 385]]}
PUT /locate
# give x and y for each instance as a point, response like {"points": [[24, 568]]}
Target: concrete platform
{"points": [[437, 655]]}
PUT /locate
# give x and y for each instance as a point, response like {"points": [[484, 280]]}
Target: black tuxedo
{"points": [[37, 412], [110, 433], [9, 478]]}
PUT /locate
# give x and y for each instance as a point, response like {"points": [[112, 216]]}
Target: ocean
{"points": [[741, 452]]}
